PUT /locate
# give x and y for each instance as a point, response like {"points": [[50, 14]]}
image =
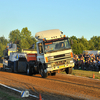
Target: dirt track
{"points": [[63, 85]]}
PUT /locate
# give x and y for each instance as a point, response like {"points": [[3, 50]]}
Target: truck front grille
{"points": [[61, 59]]}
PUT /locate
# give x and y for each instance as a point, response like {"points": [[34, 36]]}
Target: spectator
{"points": [[86, 61], [99, 64], [76, 61]]}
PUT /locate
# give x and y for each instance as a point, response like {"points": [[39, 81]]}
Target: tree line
{"points": [[25, 40], [81, 44]]}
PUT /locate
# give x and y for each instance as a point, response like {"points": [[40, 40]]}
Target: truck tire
{"points": [[53, 74], [43, 71], [29, 70], [4, 67], [12, 68], [68, 70]]}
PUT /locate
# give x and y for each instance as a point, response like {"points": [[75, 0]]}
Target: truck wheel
{"points": [[29, 70], [43, 72], [12, 68], [4, 67], [53, 74], [68, 70]]}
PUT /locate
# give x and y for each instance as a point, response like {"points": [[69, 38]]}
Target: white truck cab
{"points": [[54, 52]]}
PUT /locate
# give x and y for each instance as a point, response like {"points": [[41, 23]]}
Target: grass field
{"points": [[6, 96], [85, 73]]}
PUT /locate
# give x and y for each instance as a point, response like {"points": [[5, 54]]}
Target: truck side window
{"points": [[40, 48]]}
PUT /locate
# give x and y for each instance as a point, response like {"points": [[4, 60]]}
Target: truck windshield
{"points": [[57, 45]]}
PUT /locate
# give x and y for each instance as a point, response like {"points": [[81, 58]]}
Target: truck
{"points": [[6, 53], [53, 54], [91, 52]]}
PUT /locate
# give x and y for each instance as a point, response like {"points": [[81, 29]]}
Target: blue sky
{"points": [[73, 17]]}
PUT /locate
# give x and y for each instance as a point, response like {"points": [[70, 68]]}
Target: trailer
{"points": [[53, 54], [11, 47], [91, 52]]}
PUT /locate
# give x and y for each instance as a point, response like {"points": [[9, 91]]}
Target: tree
{"points": [[91, 45], [79, 44], [23, 39], [3, 40], [73, 38], [26, 39], [14, 35], [3, 44], [96, 41], [84, 42], [34, 42]]}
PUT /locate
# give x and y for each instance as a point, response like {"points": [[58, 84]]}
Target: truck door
{"points": [[40, 56]]}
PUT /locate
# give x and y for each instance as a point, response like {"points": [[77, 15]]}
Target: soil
{"points": [[59, 87]]}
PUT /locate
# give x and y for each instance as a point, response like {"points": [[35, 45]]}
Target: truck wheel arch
{"points": [[42, 70], [12, 67], [28, 70], [68, 70]]}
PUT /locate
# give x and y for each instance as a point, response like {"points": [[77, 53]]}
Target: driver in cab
{"points": [[48, 48], [62, 45]]}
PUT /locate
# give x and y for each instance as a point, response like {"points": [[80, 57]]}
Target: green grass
{"points": [[85, 73], [5, 96]]}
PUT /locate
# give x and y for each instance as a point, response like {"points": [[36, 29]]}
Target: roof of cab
{"points": [[48, 34]]}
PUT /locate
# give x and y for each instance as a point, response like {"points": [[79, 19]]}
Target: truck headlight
{"points": [[51, 58], [49, 65], [71, 61]]}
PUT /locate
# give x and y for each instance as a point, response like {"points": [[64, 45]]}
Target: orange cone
{"points": [[40, 98], [93, 75], [58, 71]]}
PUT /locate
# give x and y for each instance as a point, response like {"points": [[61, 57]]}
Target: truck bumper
{"points": [[5, 62], [60, 67]]}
